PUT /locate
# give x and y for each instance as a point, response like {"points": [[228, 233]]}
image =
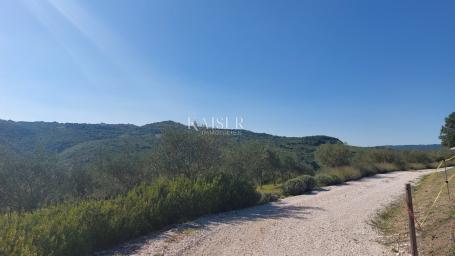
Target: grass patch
{"points": [[274, 189], [436, 237]]}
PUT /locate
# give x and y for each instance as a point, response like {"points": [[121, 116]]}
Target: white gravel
{"points": [[329, 222]]}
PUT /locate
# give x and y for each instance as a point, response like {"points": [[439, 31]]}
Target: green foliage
{"points": [[370, 161], [28, 182], [274, 189], [345, 173], [98, 161], [447, 135], [81, 144], [57, 137], [299, 185], [103, 161], [333, 155], [326, 180], [260, 163], [385, 167], [80, 228], [186, 153], [268, 197]]}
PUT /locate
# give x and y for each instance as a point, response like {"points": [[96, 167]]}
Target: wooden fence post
{"points": [[412, 228], [446, 181]]}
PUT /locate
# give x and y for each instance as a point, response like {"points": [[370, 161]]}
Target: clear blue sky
{"points": [[367, 72]]}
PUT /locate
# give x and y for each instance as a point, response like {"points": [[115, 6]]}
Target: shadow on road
{"points": [[276, 210]]}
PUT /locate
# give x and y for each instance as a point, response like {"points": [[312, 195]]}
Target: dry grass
{"points": [[437, 235]]}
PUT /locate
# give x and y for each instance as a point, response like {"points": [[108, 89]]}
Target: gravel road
{"points": [[333, 221]]}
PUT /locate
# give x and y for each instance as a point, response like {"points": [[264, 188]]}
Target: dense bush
{"points": [[417, 166], [343, 163], [267, 198], [80, 228], [332, 176], [299, 185], [326, 180], [340, 163], [345, 173], [333, 155], [385, 167]]}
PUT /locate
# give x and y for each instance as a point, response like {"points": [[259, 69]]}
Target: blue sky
{"points": [[367, 72]]}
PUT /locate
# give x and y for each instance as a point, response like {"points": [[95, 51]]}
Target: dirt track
{"points": [[329, 222]]}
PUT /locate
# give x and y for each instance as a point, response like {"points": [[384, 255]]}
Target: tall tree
{"points": [[448, 131]]}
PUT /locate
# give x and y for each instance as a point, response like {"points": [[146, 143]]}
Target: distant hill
{"points": [[425, 147], [82, 143]]}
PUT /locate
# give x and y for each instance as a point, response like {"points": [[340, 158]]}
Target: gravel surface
{"points": [[333, 221]]}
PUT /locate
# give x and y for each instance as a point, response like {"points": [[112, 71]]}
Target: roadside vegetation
{"points": [[340, 163], [83, 227], [436, 235]]}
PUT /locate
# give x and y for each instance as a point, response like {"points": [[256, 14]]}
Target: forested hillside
{"points": [[78, 143]]}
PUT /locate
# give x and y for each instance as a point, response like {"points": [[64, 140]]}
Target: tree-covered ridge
{"points": [[81, 143], [57, 137]]}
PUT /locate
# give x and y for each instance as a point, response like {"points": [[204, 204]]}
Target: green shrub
{"points": [[366, 169], [81, 228], [336, 180], [346, 173], [386, 167], [431, 165], [267, 198], [333, 155], [417, 166], [299, 185], [325, 180]]}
